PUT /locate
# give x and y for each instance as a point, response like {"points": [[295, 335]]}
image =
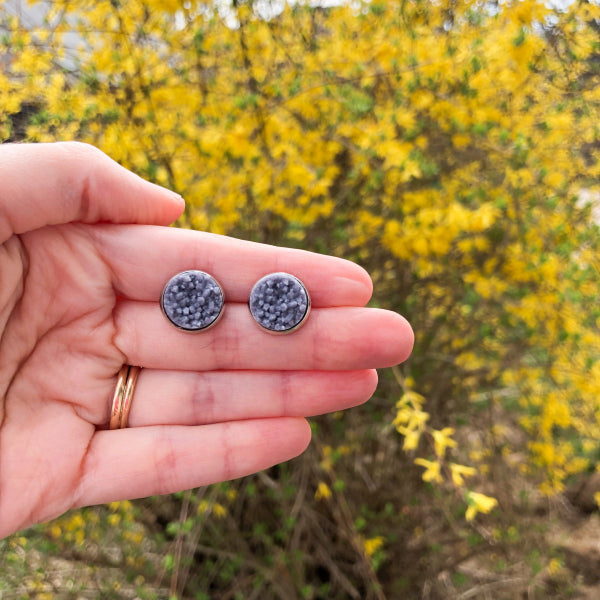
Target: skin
{"points": [[84, 256]]}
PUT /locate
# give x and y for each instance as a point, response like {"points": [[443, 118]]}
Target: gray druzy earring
{"points": [[279, 303], [193, 301]]}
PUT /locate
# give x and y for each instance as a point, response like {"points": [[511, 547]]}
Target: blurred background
{"points": [[451, 147]]}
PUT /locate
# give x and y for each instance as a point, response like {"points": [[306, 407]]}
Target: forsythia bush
{"points": [[452, 148]]}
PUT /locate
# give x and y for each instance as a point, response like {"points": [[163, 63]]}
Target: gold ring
{"points": [[122, 397], [128, 396], [117, 401]]}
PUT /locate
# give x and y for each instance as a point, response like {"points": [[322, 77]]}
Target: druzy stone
{"points": [[192, 300], [279, 302]]}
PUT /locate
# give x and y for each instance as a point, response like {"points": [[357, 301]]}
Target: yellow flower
{"points": [[432, 470], [76, 522], [442, 440], [411, 438], [458, 473], [478, 503], [55, 531], [554, 566], [371, 545], [323, 492]]}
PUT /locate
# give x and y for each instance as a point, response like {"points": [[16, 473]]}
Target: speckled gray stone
{"points": [[279, 302], [192, 300]]}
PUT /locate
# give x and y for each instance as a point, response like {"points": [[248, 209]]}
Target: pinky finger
{"points": [[146, 461]]}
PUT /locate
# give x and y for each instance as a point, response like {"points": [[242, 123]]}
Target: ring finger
{"points": [[189, 398]]}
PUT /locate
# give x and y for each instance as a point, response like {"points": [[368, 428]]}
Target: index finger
{"points": [[143, 258], [62, 182]]}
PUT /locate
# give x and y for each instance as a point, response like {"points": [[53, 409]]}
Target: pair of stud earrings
{"points": [[194, 301]]}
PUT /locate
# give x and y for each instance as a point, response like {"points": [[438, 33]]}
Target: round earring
{"points": [[279, 303], [193, 301]]}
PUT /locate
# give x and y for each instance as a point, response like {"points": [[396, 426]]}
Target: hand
{"points": [[84, 256]]}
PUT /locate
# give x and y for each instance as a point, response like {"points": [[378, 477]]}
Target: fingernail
{"points": [[170, 193], [357, 292], [179, 199]]}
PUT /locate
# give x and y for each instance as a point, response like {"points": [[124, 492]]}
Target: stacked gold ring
{"points": [[123, 395]]}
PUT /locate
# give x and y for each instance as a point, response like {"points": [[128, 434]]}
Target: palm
{"points": [[57, 360], [78, 300]]}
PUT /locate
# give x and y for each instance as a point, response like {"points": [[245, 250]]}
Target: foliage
{"points": [[452, 149]]}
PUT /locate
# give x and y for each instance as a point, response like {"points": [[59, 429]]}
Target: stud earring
{"points": [[193, 301], [279, 303]]}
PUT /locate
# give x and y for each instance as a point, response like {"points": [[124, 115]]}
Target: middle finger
{"points": [[341, 338]]}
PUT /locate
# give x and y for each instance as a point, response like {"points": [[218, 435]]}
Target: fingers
{"points": [[143, 259], [185, 398], [332, 339], [135, 463], [49, 184]]}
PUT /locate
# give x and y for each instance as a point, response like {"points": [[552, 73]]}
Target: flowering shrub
{"points": [[450, 148]]}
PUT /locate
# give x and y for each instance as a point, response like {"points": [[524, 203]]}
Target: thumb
{"points": [[50, 184]]}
